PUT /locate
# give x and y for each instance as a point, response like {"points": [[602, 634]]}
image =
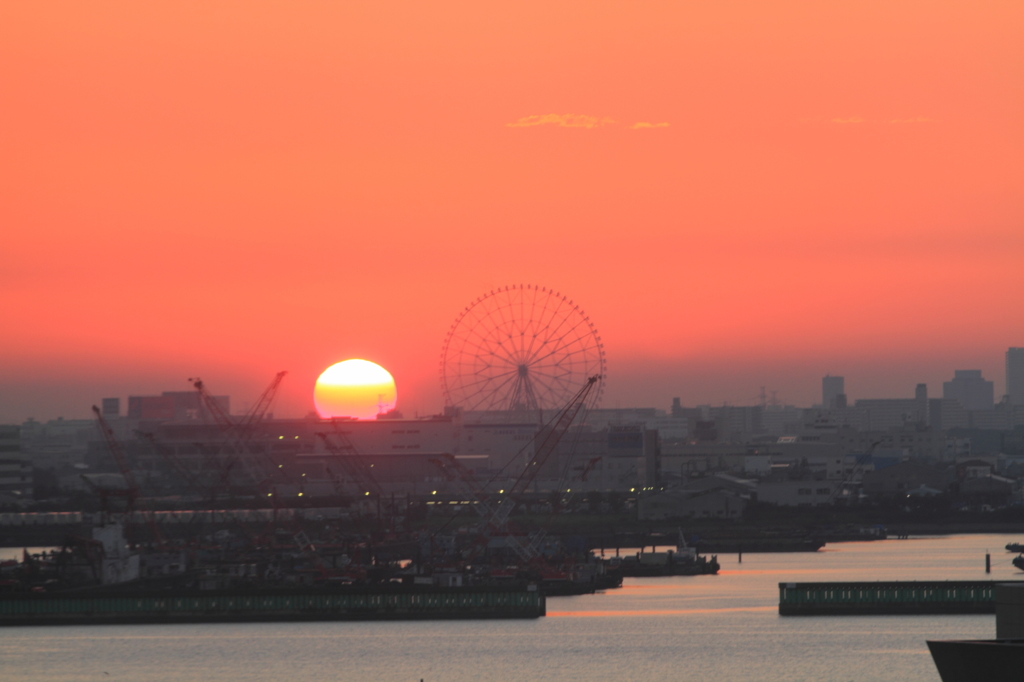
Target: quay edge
{"points": [[128, 607]]}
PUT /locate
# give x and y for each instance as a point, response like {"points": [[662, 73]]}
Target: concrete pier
{"points": [[271, 605], [889, 598]]}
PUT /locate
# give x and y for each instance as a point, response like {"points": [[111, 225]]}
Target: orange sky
{"points": [[233, 189]]}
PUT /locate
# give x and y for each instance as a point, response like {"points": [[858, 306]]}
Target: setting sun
{"points": [[354, 388]]}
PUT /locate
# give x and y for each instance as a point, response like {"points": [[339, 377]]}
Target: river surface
{"points": [[720, 628]]}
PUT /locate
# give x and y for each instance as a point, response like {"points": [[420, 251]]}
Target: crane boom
{"points": [[353, 464], [495, 516], [117, 453], [239, 432], [132, 495], [553, 437]]}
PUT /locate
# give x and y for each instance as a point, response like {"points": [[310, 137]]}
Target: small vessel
{"points": [[1015, 547], [683, 561], [1018, 561]]}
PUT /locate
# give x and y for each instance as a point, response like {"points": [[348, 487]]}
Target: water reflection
{"points": [[724, 628]]}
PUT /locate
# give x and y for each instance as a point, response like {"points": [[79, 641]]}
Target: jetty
{"points": [[904, 598], [369, 603]]}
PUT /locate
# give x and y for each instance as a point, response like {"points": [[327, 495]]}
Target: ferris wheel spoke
{"points": [[571, 330], [565, 351], [492, 349], [558, 375], [491, 392], [577, 336], [562, 351], [551, 384], [556, 315], [504, 330], [521, 325], [492, 330], [530, 349], [545, 331], [483, 379]]}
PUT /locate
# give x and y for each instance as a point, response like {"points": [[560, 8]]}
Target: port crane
{"points": [[131, 491], [587, 468], [495, 516], [239, 432], [258, 464], [353, 465]]}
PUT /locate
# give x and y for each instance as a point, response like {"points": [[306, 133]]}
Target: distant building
{"points": [[60, 442], [970, 389], [679, 503], [111, 408], [15, 468], [173, 406], [1015, 375], [831, 388], [898, 480], [882, 414], [803, 493]]}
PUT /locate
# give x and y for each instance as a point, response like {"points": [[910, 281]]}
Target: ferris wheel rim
{"points": [[495, 359]]}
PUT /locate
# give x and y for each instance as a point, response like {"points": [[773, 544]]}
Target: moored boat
{"points": [[684, 560]]}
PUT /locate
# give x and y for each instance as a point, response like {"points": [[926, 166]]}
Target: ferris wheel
{"points": [[520, 347]]}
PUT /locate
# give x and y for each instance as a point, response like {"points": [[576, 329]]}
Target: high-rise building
{"points": [[970, 389], [1015, 375], [111, 408], [831, 388]]}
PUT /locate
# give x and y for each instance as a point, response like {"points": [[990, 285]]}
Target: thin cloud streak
{"points": [[562, 121]]}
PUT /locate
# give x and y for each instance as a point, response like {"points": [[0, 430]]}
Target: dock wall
{"points": [[888, 598], [53, 609]]}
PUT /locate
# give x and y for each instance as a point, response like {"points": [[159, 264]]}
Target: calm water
{"points": [[718, 628]]}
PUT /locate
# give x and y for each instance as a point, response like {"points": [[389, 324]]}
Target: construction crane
{"points": [[131, 493], [496, 516], [351, 462], [193, 479], [552, 437], [588, 467], [171, 457], [239, 432]]}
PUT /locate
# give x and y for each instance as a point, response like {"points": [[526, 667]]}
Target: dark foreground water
{"points": [[716, 628]]}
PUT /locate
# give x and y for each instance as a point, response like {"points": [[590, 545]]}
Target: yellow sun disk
{"points": [[354, 388]]}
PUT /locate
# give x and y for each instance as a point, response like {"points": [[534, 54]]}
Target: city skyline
{"points": [[764, 394]]}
